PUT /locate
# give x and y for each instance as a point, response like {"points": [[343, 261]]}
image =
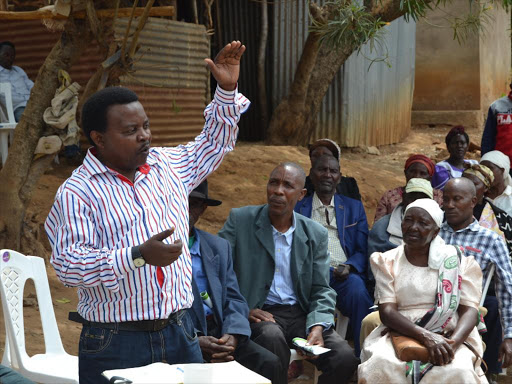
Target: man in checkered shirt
{"points": [[487, 247]]}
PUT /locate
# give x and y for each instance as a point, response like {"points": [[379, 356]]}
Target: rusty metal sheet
{"points": [[171, 79], [175, 116], [34, 42], [171, 54]]}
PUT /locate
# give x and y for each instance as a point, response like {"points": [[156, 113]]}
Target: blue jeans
{"points": [[18, 112], [102, 349]]}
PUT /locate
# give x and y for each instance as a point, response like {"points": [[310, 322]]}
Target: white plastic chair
{"points": [[54, 366], [341, 323], [6, 128]]}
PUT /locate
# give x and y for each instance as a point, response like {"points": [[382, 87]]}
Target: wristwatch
{"points": [[137, 257]]}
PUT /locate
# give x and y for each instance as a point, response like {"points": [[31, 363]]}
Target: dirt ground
{"points": [[240, 180]]}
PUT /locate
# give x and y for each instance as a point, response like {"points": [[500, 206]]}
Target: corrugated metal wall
{"points": [[361, 107], [34, 42], [377, 102], [241, 20], [171, 79]]}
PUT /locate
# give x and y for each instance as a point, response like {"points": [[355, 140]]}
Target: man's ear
{"points": [[302, 194], [474, 201], [97, 138]]}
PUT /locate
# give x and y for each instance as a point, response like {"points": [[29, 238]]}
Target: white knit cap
{"points": [[431, 207]]}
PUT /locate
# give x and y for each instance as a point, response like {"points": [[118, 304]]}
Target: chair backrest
{"points": [[486, 284], [5, 90], [15, 269]]}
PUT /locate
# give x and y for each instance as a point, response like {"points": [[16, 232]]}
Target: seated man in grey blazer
{"points": [[220, 319], [282, 265]]}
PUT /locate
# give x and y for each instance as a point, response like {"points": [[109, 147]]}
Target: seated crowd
{"points": [[288, 264]]}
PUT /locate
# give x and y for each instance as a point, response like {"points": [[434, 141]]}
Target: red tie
{"points": [[160, 276]]}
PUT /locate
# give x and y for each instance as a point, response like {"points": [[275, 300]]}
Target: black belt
{"points": [[133, 326]]}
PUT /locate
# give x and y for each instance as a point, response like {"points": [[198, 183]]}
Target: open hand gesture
{"points": [[225, 67], [158, 253]]}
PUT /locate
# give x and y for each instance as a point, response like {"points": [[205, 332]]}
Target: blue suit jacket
{"points": [[229, 306], [352, 228]]}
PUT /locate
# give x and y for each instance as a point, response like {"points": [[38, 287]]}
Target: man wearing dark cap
{"points": [[219, 311], [347, 185]]}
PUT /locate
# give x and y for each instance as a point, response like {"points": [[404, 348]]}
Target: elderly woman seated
{"points": [[429, 292], [416, 166]]}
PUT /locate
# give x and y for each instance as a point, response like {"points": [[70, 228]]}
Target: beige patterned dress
{"points": [[413, 289]]}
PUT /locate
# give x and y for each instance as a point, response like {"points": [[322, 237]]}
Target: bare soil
{"points": [[240, 180]]}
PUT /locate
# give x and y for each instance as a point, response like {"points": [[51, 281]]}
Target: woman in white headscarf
{"points": [[501, 189], [424, 288]]}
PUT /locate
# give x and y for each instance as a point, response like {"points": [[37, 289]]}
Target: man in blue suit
{"points": [[221, 319], [345, 220]]}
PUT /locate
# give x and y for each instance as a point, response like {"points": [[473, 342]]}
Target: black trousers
{"points": [[337, 366], [493, 337], [252, 356], [259, 360]]}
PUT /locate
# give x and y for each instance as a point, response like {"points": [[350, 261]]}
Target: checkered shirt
{"points": [[487, 248]]}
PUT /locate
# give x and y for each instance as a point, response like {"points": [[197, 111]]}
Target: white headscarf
{"points": [[431, 207], [501, 160], [439, 250]]}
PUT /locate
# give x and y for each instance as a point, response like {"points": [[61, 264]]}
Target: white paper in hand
{"points": [[310, 349]]}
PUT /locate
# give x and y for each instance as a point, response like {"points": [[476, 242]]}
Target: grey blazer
{"points": [[249, 231]]}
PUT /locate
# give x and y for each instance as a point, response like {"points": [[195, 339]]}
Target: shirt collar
{"points": [[196, 247], [288, 235], [474, 227], [507, 191], [317, 203], [93, 166]]}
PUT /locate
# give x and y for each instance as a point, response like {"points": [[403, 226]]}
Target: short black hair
{"points": [[458, 130], [94, 111], [8, 44]]}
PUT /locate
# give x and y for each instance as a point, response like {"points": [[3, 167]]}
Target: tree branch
{"points": [[140, 26]]}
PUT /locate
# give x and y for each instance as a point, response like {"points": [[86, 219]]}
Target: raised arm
{"points": [[197, 159]]}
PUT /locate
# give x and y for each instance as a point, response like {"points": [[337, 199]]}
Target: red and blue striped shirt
{"points": [[98, 215]]}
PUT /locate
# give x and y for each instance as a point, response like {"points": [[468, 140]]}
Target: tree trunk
{"points": [[294, 119], [328, 63], [19, 175], [262, 82]]}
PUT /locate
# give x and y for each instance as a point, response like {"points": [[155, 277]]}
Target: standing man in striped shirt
{"points": [[119, 224]]}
